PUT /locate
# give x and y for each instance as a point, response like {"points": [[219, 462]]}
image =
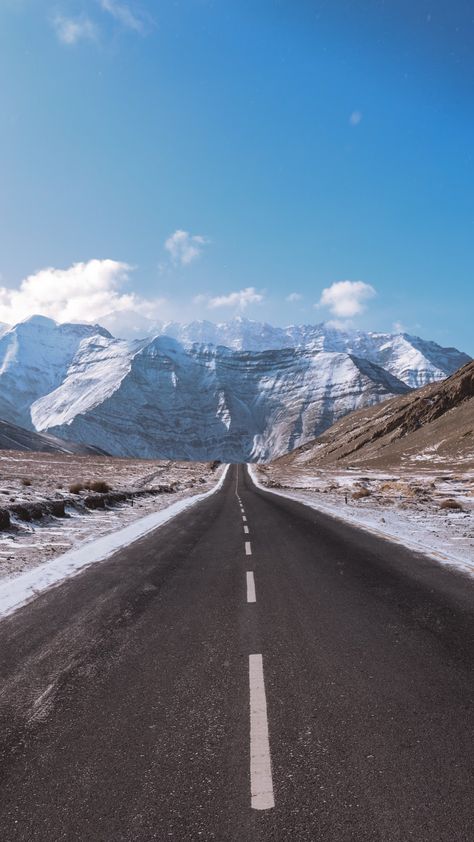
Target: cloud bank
{"points": [[93, 291], [85, 292]]}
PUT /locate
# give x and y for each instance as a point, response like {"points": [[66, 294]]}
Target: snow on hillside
{"points": [[98, 368]]}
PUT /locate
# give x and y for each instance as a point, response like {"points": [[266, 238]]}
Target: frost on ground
{"points": [[35, 485], [428, 511]]}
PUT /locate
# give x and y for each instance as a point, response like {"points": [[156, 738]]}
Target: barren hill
{"points": [[432, 427]]}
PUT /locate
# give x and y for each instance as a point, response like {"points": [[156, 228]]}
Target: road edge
{"points": [[16, 592], [442, 558]]}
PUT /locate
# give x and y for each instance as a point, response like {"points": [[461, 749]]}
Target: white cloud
{"points": [[85, 292], [71, 30], [293, 297], [355, 118], [345, 299], [240, 299], [123, 13], [184, 247]]}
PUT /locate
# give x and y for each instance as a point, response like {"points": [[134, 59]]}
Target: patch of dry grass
{"points": [[451, 504], [361, 493], [99, 486]]}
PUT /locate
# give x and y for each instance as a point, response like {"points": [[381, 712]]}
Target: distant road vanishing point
{"points": [[252, 670]]}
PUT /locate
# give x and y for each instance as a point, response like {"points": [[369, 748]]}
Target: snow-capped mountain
{"points": [[34, 358], [202, 402], [204, 393]]}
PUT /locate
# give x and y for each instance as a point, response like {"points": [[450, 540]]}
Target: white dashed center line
{"points": [[251, 595], [246, 530], [261, 784], [248, 548], [244, 518]]}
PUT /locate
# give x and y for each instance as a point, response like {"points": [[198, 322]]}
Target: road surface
{"points": [[253, 670]]}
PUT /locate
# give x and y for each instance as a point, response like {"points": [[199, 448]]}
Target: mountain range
{"points": [[237, 391]]}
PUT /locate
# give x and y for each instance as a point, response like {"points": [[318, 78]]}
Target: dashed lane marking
{"points": [[261, 783], [251, 595]]}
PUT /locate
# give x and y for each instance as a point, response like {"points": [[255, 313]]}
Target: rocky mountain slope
{"points": [[226, 396], [430, 427]]}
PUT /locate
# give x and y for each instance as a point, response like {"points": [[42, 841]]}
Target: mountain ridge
{"points": [[183, 399]]}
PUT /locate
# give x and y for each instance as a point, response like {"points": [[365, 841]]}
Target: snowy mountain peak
{"points": [[408, 358]]}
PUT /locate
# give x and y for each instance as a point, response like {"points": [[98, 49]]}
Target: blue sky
{"points": [[211, 157]]}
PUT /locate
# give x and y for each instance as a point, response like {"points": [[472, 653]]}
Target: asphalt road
{"points": [[149, 699]]}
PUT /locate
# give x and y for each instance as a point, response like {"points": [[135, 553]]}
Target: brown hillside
{"points": [[432, 427]]}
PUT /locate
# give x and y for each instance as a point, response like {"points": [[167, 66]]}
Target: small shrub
{"points": [[451, 504], [359, 495], [26, 482], [99, 486], [76, 488]]}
